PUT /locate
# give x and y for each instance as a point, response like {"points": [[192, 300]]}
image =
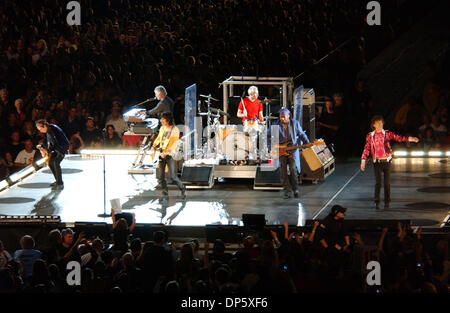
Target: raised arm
{"points": [[286, 230], [313, 232], [73, 247], [241, 109], [381, 241], [399, 138], [113, 217], [133, 222]]}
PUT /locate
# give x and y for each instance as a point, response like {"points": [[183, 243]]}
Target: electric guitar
{"points": [[46, 154], [283, 149], [155, 155]]}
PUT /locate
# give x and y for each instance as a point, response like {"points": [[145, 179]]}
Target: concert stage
{"points": [[420, 193]]}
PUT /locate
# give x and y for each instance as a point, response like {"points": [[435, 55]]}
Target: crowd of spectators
{"points": [[84, 77], [426, 116], [329, 257]]}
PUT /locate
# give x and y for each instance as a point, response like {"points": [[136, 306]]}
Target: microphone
{"points": [[148, 100]]}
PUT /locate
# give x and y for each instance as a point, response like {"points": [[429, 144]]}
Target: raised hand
{"points": [[274, 234]]}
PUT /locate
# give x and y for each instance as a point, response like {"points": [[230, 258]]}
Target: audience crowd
{"points": [[84, 77], [330, 257], [426, 116]]}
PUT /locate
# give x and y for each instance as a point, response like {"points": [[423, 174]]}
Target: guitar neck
{"points": [[295, 147]]}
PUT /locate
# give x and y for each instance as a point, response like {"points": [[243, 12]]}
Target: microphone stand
{"points": [[145, 101], [104, 191]]}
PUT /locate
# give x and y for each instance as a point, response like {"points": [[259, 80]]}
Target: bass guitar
{"points": [[284, 149]]}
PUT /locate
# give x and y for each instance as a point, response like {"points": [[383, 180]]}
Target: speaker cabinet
{"points": [[227, 233], [268, 180], [317, 163], [309, 114], [198, 176]]}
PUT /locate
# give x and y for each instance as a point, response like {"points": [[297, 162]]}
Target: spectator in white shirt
{"points": [[117, 121], [26, 156]]}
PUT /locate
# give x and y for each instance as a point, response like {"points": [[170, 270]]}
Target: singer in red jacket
{"points": [[377, 144]]}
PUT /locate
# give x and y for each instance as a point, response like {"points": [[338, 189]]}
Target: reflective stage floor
{"points": [[420, 192]]}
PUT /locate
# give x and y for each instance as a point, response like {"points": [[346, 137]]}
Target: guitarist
{"points": [[56, 146], [292, 134], [165, 143]]}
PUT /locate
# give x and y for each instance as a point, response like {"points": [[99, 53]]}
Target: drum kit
{"points": [[235, 143]]}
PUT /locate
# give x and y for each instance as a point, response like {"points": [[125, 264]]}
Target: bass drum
{"points": [[236, 146], [225, 130]]}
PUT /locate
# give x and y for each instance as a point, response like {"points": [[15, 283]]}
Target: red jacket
{"points": [[370, 144]]}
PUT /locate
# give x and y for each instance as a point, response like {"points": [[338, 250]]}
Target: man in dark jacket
{"points": [[55, 147], [165, 103], [334, 232], [158, 263]]}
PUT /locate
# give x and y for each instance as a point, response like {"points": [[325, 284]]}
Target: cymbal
{"points": [[209, 97], [219, 111], [271, 117], [267, 101], [208, 114]]}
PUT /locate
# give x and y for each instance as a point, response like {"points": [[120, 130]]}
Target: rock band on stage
{"points": [[291, 140]]}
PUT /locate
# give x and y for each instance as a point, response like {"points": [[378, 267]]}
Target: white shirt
{"points": [[120, 125], [24, 157]]}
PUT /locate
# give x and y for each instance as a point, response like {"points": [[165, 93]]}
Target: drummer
{"points": [[250, 109]]}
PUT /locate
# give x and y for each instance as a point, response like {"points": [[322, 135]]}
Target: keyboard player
{"points": [[165, 103]]}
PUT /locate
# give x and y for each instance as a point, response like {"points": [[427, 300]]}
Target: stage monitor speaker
{"points": [[93, 230], [198, 176], [226, 233], [268, 180], [10, 235], [254, 221]]}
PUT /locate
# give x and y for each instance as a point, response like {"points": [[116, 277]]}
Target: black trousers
{"points": [[380, 169], [169, 161], [54, 165], [290, 182]]}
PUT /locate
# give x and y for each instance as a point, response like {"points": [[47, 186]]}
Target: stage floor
{"points": [[420, 192]]}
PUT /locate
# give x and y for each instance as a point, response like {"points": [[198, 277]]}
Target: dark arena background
{"points": [[365, 83]]}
